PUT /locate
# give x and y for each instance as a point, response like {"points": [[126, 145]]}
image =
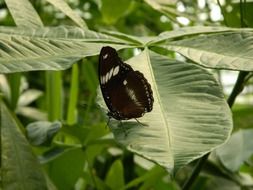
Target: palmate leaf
{"points": [[190, 116], [226, 49], [27, 49]]}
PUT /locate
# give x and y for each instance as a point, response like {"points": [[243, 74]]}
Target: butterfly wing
{"points": [[111, 71], [126, 92]]}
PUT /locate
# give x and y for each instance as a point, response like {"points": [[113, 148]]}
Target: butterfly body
{"points": [[126, 92]]}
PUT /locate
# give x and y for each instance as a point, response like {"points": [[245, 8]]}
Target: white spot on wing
{"points": [[125, 82], [104, 79], [107, 77], [110, 74], [132, 95], [116, 71], [105, 56]]}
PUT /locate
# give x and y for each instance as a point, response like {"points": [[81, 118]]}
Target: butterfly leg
{"points": [[144, 125], [107, 124]]}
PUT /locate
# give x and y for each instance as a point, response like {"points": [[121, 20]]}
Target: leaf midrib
{"points": [[159, 101]]}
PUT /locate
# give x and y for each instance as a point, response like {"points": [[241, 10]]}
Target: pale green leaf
{"points": [[23, 49], [228, 50], [23, 13], [190, 116], [188, 32], [19, 166], [66, 9]]}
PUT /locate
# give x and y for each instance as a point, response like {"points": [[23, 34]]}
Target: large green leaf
{"points": [[228, 50], [19, 166], [190, 116], [26, 49]]}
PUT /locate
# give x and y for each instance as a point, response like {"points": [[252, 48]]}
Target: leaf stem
{"points": [[237, 89], [239, 85]]}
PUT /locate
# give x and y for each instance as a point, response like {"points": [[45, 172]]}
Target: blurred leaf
{"points": [[167, 7], [150, 177], [99, 183], [246, 179], [42, 132], [73, 96], [65, 170], [190, 116], [116, 172], [14, 83], [109, 11], [93, 151], [32, 113], [4, 87], [54, 95], [86, 135], [19, 166], [242, 113], [219, 183], [55, 152], [95, 132], [232, 13], [28, 96], [76, 131], [66, 9], [23, 13], [50, 48], [242, 143]]}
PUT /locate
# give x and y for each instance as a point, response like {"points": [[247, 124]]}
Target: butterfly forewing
{"points": [[126, 92]]}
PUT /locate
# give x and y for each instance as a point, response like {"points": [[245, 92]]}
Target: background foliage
{"points": [[54, 134]]}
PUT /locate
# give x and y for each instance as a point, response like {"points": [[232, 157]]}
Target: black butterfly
{"points": [[126, 92]]}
